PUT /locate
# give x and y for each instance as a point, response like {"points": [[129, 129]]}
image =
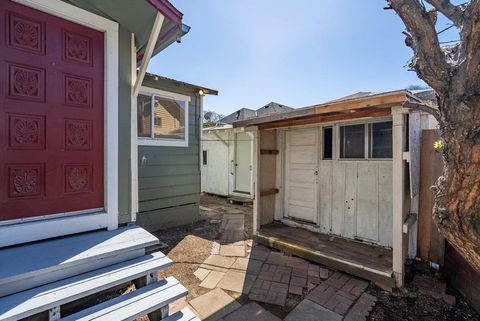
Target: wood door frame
{"points": [[33, 229]]}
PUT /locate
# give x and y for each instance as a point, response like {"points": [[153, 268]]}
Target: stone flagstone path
{"points": [[240, 267]]}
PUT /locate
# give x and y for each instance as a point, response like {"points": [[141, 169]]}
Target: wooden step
{"points": [[27, 266], [134, 304], [183, 315], [53, 295]]}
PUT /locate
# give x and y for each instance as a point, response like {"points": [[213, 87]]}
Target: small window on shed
{"points": [[204, 157], [352, 141], [327, 143], [380, 136]]}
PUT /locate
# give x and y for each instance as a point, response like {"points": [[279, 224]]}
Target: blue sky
{"points": [[296, 53]]}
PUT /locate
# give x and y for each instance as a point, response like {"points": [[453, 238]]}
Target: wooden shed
{"points": [[337, 183]]}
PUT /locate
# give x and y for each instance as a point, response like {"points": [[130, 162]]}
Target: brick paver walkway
{"points": [[238, 265]]}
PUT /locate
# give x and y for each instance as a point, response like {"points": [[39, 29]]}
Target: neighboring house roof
{"points": [[240, 114], [138, 16], [157, 80], [246, 113], [272, 108], [359, 94], [361, 101]]}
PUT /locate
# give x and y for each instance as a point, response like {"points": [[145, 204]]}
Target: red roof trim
{"points": [[168, 10]]}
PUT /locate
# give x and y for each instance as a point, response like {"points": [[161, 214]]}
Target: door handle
{"points": [[316, 173]]}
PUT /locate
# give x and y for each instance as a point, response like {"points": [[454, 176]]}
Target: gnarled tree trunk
{"points": [[457, 208], [454, 73]]}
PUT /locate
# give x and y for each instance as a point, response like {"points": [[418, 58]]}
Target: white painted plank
{"points": [[300, 179], [325, 198], [367, 202], [385, 204], [415, 133], [55, 259], [184, 315], [27, 303], [338, 199], [350, 199], [35, 230], [134, 304]]}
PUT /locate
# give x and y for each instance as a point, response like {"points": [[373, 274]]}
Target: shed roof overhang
{"points": [[138, 17], [376, 105]]}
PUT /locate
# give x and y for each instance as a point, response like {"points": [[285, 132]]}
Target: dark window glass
{"points": [[327, 143], [352, 141], [380, 140], [204, 157]]}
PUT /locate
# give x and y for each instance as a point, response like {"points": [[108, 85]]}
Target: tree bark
{"points": [[454, 73], [457, 198]]}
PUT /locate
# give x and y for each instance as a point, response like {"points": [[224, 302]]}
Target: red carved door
{"points": [[51, 114]]}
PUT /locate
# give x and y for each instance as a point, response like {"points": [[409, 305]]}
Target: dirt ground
{"points": [[189, 246]]}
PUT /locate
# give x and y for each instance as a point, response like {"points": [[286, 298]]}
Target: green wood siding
{"points": [[169, 181]]}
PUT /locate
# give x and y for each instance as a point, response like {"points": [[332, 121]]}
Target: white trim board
{"points": [[53, 227], [133, 136]]}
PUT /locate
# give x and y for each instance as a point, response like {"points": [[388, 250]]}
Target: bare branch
{"points": [[429, 60], [424, 106], [451, 11]]}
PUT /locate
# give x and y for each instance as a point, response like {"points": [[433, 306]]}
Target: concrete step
{"points": [[51, 296], [31, 265], [134, 304]]}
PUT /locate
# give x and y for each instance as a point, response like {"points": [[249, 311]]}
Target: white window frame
{"points": [[151, 141]]}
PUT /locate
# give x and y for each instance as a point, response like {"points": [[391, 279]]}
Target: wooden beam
{"points": [[398, 193], [315, 119], [269, 151], [152, 40], [271, 191], [409, 222], [256, 179], [380, 100]]}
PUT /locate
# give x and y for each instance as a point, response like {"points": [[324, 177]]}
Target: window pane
{"points": [[352, 141], [144, 114], [204, 157], [169, 118], [380, 140], [327, 143]]}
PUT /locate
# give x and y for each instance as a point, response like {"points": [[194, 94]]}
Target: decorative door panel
{"points": [[51, 114]]}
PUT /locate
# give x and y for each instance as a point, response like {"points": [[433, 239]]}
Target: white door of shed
{"points": [[301, 174], [243, 163]]}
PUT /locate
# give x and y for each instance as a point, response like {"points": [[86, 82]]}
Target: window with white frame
{"points": [[352, 141], [162, 118], [366, 141]]}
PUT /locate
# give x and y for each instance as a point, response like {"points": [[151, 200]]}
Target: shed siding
{"points": [[169, 179]]}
